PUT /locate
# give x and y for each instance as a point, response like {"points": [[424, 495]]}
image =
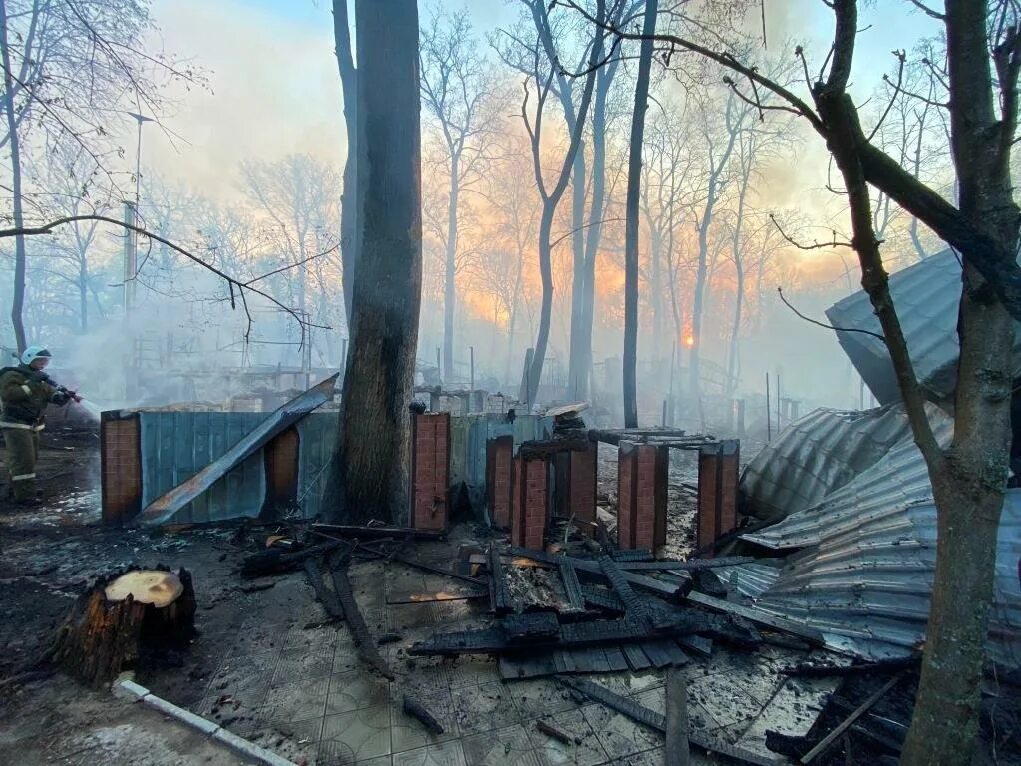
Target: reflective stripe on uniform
{"points": [[20, 426], [27, 390], [23, 477]]}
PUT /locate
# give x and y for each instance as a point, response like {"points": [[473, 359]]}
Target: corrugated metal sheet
{"points": [[815, 455], [864, 569], [176, 445], [927, 296]]}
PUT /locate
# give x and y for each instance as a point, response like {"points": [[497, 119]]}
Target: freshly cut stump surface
{"points": [[123, 618]]}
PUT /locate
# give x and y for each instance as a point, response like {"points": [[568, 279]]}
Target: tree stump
{"points": [[121, 619]]}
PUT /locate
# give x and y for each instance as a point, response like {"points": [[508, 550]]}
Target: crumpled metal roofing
{"points": [[815, 455], [864, 571], [927, 296]]}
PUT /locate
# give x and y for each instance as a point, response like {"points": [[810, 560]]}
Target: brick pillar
{"points": [[530, 502], [120, 450], [430, 470], [641, 507], [581, 487], [499, 479], [717, 490]]}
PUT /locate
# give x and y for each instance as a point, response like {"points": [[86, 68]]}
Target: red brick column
{"points": [[530, 502], [641, 490], [430, 470], [581, 487], [718, 466], [500, 478], [120, 450]]}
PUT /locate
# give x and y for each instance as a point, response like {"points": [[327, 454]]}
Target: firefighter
{"points": [[25, 391]]}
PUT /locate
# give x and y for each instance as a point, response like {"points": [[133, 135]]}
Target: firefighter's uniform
{"points": [[25, 392]]}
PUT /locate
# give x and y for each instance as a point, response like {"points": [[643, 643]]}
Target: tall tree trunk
{"points": [[575, 376], [18, 298], [349, 224], [634, 180], [83, 298], [512, 318], [369, 477], [450, 275], [969, 490], [549, 208], [738, 271]]}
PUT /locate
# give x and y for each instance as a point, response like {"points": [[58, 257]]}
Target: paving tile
{"points": [[298, 637], [346, 658], [619, 735], [407, 733], [300, 664], [635, 683], [472, 670], [245, 678], [539, 697], [509, 746], [483, 707], [356, 690], [586, 750], [358, 735], [404, 617], [443, 754], [297, 699], [304, 733], [654, 699], [792, 711]]}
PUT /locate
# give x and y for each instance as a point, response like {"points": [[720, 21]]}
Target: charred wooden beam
{"points": [[535, 450], [692, 565], [531, 628], [572, 587], [499, 598], [363, 533], [327, 597], [417, 710], [275, 561], [557, 733], [359, 630], [758, 616]]}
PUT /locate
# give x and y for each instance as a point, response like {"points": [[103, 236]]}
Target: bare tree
{"points": [[969, 476], [459, 95], [634, 180], [369, 474], [349, 215], [69, 70]]}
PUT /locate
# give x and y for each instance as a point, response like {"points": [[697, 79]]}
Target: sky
{"points": [[274, 87]]}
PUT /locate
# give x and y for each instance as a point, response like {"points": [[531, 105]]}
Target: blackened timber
{"points": [[531, 627], [758, 616], [633, 605], [571, 585], [558, 734], [327, 597], [416, 709], [534, 450], [692, 565], [498, 597], [632, 555], [643, 715], [419, 565], [359, 630], [602, 599], [671, 591], [571, 636], [276, 561], [361, 533]]}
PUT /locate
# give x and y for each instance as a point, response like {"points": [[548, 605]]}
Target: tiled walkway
{"points": [[304, 692]]}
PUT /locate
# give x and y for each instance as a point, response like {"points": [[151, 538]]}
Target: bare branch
{"points": [[900, 78], [48, 228], [927, 10], [817, 245], [823, 324]]}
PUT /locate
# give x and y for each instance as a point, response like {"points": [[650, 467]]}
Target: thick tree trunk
{"points": [[634, 180], [370, 471], [969, 491], [512, 318], [450, 274], [349, 226], [732, 356], [18, 298]]}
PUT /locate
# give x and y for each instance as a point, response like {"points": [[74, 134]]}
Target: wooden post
{"points": [[676, 752], [769, 428]]}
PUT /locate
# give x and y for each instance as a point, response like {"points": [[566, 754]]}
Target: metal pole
{"points": [[439, 369], [471, 370], [779, 421], [769, 427]]}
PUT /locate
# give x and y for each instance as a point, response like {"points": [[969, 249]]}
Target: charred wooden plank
{"points": [[417, 710], [636, 657], [326, 596], [692, 565], [834, 735], [633, 556], [602, 599], [758, 616], [499, 598], [276, 561], [572, 587], [547, 448], [558, 734], [531, 627], [660, 588], [363, 533], [359, 630]]}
